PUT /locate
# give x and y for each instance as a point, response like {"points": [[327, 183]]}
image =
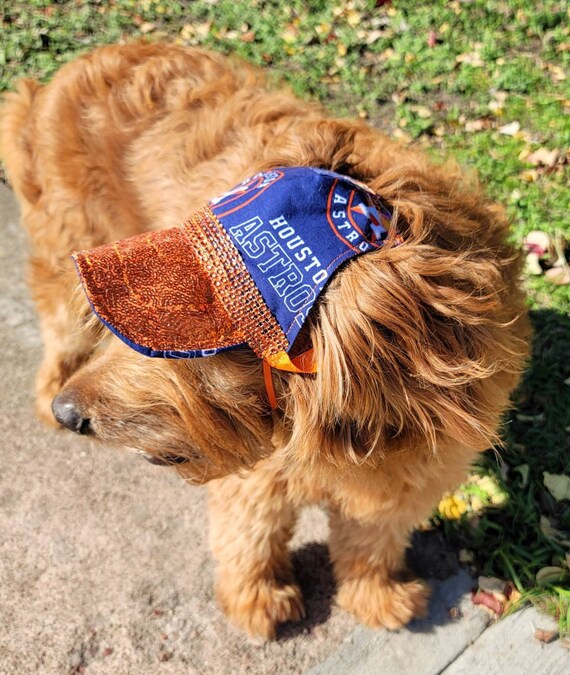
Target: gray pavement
{"points": [[104, 563]]}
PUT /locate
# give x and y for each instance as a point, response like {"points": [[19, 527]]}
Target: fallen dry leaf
{"points": [[494, 586], [557, 484], [543, 157], [147, 27], [521, 417], [421, 111], [513, 595], [471, 59], [532, 264], [559, 276], [545, 635], [373, 36], [476, 125], [538, 242], [353, 18], [289, 35], [548, 530], [510, 129], [489, 601], [455, 613], [523, 469], [548, 575], [558, 73], [529, 176]]}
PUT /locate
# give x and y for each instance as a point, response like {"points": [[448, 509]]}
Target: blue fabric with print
{"points": [[293, 228]]}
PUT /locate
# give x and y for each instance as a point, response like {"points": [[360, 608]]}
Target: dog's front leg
{"points": [[369, 566], [251, 522]]}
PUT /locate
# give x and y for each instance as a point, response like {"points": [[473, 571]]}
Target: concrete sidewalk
{"points": [[105, 565]]}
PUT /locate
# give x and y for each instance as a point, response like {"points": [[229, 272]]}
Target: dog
{"points": [[416, 345]]}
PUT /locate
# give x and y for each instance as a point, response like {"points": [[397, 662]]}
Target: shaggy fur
{"points": [[418, 345]]}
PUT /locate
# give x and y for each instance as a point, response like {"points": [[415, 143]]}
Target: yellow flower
{"points": [[452, 507]]}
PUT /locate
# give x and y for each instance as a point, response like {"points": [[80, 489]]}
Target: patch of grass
{"points": [[450, 76]]}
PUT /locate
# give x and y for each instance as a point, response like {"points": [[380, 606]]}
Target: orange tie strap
{"points": [[304, 363]]}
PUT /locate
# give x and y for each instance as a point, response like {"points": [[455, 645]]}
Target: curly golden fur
{"points": [[418, 345]]}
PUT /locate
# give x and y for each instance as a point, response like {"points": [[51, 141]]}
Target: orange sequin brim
{"points": [[184, 291]]}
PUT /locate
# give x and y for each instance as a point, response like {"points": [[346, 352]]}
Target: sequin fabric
{"points": [[183, 291], [162, 299], [233, 285]]}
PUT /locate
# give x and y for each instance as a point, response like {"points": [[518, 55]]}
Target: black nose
{"points": [[67, 414]]}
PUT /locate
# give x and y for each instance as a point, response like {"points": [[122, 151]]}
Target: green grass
{"points": [[447, 76]]}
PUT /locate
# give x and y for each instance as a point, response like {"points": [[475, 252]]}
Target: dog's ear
{"points": [[420, 342]]}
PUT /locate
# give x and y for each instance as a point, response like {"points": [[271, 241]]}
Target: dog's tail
{"points": [[16, 133]]}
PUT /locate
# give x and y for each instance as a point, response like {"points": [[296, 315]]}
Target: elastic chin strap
{"points": [[304, 363]]}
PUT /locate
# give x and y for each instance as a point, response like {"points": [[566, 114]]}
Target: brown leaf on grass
{"points": [[548, 530], [521, 417], [466, 556], [147, 27], [496, 587], [529, 176], [545, 635], [513, 595], [510, 129], [542, 248], [200, 30], [488, 601], [558, 73], [290, 34], [543, 157], [558, 276], [523, 470], [549, 575], [538, 242], [471, 59], [557, 484], [422, 111], [478, 125]]}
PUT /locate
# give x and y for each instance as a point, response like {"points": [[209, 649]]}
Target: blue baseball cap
{"points": [[245, 269]]}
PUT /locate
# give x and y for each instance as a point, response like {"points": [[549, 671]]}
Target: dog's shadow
{"points": [[429, 557], [313, 570]]}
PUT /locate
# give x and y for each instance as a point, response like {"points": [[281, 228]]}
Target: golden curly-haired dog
{"points": [[417, 346]]}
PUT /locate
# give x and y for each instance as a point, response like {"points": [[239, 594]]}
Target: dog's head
{"points": [[416, 345]]}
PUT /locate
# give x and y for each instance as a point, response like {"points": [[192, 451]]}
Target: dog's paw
{"points": [[259, 606], [384, 603]]}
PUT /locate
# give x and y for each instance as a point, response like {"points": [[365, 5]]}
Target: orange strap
{"points": [[304, 363]]}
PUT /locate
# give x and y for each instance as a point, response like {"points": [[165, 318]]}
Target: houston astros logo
{"points": [[361, 225], [244, 193]]}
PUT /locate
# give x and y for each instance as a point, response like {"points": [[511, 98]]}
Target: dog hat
{"points": [[245, 269]]}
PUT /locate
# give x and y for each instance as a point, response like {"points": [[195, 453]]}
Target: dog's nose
{"points": [[66, 412]]}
